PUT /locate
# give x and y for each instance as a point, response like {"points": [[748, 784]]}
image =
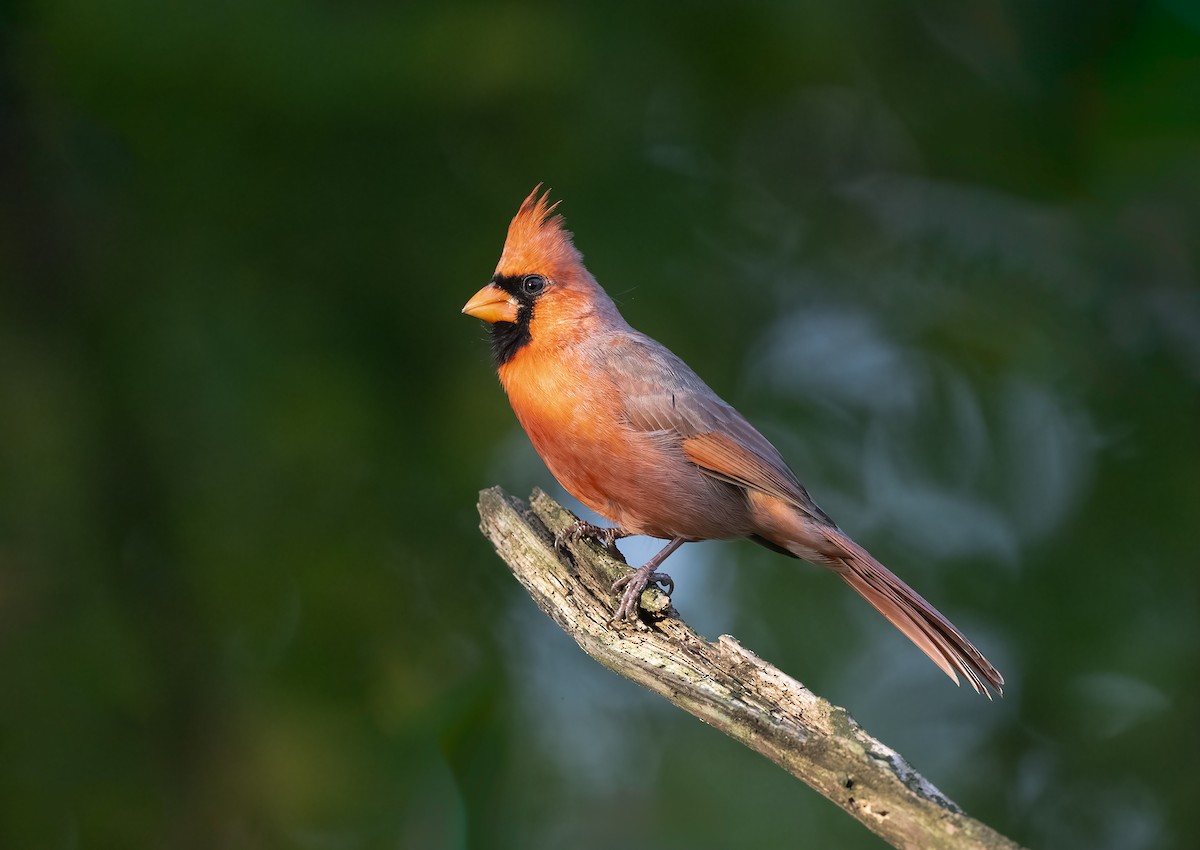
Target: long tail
{"points": [[908, 611]]}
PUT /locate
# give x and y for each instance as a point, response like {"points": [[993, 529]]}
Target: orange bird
{"points": [[633, 433]]}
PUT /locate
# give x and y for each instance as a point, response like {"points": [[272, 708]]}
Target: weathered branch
{"points": [[724, 684]]}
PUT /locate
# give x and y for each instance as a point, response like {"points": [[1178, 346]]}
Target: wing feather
{"points": [[662, 394]]}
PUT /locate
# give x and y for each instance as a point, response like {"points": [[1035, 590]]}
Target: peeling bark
{"points": [[724, 684]]}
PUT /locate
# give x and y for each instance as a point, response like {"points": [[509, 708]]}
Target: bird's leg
{"points": [[579, 529], [635, 582]]}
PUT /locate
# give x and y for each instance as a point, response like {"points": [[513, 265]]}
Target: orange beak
{"points": [[492, 304]]}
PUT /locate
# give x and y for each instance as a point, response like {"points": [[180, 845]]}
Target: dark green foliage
{"points": [[944, 255]]}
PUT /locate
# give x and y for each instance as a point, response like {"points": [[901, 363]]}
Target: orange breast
{"points": [[639, 480], [572, 423]]}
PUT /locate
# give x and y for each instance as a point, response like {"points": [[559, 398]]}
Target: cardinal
{"points": [[633, 433]]}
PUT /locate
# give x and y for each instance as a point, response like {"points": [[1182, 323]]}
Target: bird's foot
{"points": [[582, 529], [632, 585]]}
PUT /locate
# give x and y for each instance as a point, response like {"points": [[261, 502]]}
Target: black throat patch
{"points": [[510, 337]]}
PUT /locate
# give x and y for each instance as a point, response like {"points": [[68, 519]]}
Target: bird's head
{"points": [[541, 288]]}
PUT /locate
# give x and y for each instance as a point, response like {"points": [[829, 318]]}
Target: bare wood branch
{"points": [[725, 685]]}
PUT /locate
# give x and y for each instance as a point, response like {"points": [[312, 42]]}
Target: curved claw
{"points": [[633, 584], [627, 610], [582, 529]]}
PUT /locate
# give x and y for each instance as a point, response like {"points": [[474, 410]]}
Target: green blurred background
{"points": [[944, 254]]}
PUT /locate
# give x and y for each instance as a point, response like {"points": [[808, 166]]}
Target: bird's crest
{"points": [[537, 240]]}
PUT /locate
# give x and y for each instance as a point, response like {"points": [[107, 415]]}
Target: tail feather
{"points": [[908, 611]]}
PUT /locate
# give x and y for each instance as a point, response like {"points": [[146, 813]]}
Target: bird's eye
{"points": [[532, 284]]}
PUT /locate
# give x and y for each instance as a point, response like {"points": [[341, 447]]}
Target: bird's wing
{"points": [[661, 393]]}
